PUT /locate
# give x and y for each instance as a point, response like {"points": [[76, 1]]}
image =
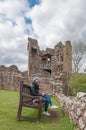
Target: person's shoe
{"points": [[46, 113], [54, 107]]}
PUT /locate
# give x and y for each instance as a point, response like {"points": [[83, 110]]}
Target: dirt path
{"points": [[53, 117]]}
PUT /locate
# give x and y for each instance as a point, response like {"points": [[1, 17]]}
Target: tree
{"points": [[85, 70], [78, 55]]}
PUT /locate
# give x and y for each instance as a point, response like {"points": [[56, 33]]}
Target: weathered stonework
{"points": [[39, 61], [75, 107], [10, 77], [50, 64]]}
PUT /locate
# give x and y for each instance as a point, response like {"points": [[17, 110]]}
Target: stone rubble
{"points": [[75, 107]]}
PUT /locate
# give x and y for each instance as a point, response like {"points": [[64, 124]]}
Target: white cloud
{"points": [[52, 21], [13, 8], [58, 20], [13, 40]]}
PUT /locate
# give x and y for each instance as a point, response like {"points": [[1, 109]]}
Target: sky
{"points": [[48, 21]]}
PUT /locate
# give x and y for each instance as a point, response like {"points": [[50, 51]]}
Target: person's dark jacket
{"points": [[34, 90]]}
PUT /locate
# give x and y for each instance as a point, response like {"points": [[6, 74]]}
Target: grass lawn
{"points": [[8, 112]]}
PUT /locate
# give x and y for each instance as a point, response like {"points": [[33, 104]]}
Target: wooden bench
{"points": [[26, 100]]}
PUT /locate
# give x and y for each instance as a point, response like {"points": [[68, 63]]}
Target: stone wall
{"points": [[10, 77], [41, 63], [67, 57], [75, 107]]}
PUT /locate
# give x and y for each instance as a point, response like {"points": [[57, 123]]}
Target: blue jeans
{"points": [[47, 100]]}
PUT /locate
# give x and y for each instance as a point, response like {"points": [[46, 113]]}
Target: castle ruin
{"points": [[10, 77], [50, 64], [54, 66]]}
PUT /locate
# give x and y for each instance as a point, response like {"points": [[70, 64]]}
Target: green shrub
{"points": [[78, 83]]}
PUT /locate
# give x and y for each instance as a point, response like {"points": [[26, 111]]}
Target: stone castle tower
{"points": [[49, 63], [52, 65]]}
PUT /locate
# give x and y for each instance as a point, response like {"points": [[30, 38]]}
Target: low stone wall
{"points": [[10, 77], [75, 107]]}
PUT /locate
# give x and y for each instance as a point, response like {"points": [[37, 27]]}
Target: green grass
{"points": [[8, 111]]}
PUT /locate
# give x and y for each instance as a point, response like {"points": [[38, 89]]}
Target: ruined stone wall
{"points": [[33, 58], [56, 69], [10, 77], [49, 63], [75, 107], [67, 57]]}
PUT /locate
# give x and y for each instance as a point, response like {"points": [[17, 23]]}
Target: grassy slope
{"points": [[8, 111]]}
